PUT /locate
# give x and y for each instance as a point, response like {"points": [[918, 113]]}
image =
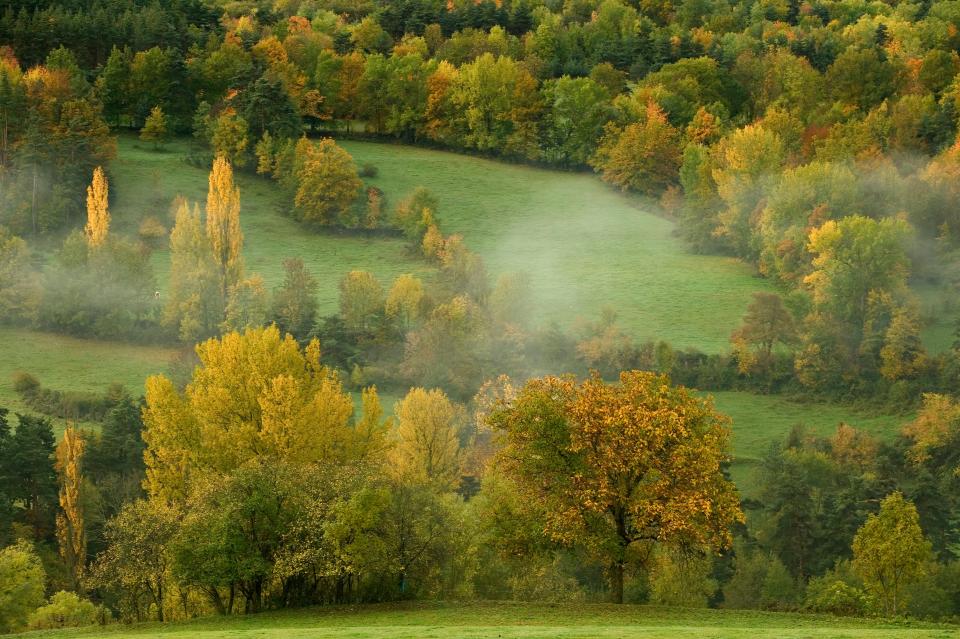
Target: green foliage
{"points": [[67, 610], [22, 582], [890, 552]]}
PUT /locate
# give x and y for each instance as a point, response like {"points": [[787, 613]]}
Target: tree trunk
{"points": [[616, 581]]}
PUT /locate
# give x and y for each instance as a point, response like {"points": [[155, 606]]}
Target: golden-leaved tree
{"points": [[428, 450], [223, 224], [615, 468], [254, 396], [71, 533], [195, 306], [98, 214]]}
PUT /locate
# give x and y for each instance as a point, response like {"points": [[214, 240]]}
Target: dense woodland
{"points": [[816, 141]]}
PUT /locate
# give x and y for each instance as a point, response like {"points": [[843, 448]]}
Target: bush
{"points": [[152, 232], [369, 171], [65, 404], [21, 584], [25, 383], [545, 582], [836, 597], [68, 610]]}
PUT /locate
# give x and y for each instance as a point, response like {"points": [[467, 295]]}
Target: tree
{"points": [[644, 156], [361, 297], [853, 257], [71, 532], [578, 110], [890, 552], [327, 184], [195, 306], [246, 305], [135, 564], [230, 137], [902, 355], [295, 301], [155, 128], [619, 466], [223, 225], [404, 301], [253, 395], [30, 472], [22, 582], [20, 291], [766, 324], [428, 450], [98, 217]]}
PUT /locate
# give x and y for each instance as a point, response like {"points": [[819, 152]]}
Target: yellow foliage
{"points": [[223, 223], [428, 449], [98, 217], [253, 395], [70, 527]]}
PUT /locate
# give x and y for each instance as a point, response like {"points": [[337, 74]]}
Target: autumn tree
{"points": [[428, 446], [223, 225], [890, 552], [194, 307], [136, 565], [98, 216], [903, 355], [294, 306], [327, 184], [247, 305], [644, 156], [253, 394], [229, 138], [71, 532], [853, 257], [156, 128], [361, 298], [620, 466], [766, 324], [405, 300]]}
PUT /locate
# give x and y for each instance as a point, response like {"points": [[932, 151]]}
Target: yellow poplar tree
{"points": [[223, 224], [70, 528], [98, 217], [428, 449], [254, 395]]}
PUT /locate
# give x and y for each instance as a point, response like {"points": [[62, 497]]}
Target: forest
{"points": [[437, 435]]}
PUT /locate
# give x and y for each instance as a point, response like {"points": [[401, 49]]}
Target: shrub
{"points": [[369, 171], [25, 383], [545, 582], [68, 610], [152, 232], [831, 595], [21, 584]]}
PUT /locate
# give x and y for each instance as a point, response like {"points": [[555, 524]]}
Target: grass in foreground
{"points": [[520, 621]]}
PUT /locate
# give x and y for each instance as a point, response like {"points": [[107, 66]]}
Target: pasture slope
{"points": [[488, 620], [583, 245]]}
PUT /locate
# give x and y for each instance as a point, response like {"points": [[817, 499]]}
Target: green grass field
{"points": [[519, 621], [67, 363], [762, 420], [583, 244]]}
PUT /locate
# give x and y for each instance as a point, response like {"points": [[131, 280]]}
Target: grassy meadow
{"points": [[584, 245], [463, 620]]}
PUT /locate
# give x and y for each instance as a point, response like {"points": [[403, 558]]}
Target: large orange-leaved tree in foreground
{"points": [[616, 467]]}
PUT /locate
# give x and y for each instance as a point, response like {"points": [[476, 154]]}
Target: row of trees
{"points": [[263, 488]]}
